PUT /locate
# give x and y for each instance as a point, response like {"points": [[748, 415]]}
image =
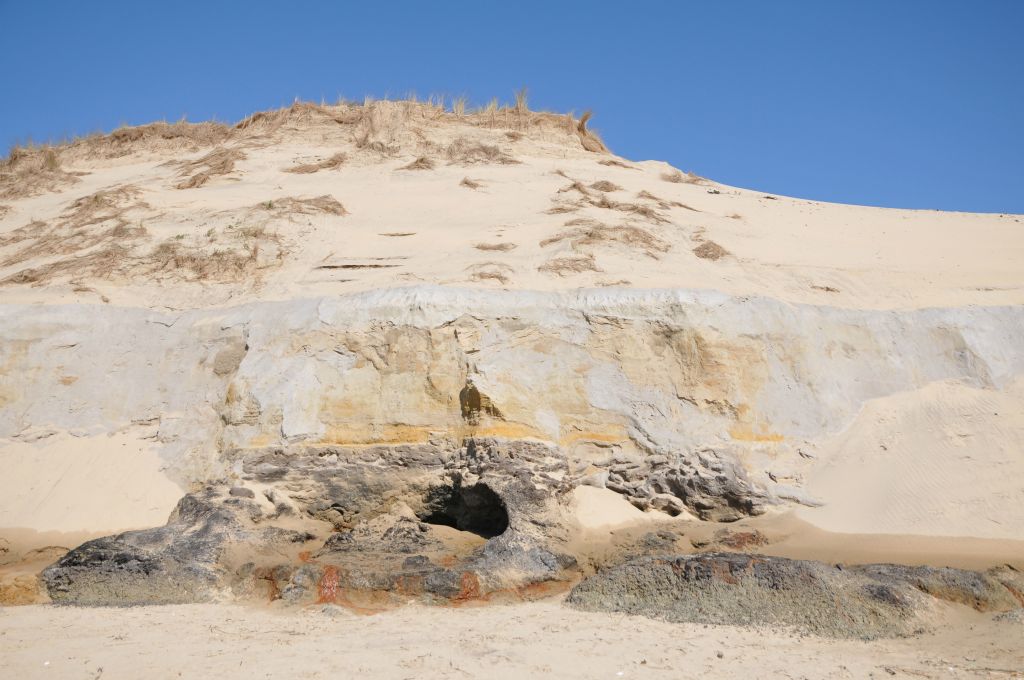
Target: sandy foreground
{"points": [[513, 641]]}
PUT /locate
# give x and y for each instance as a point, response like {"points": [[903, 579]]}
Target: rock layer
{"points": [[375, 524], [867, 601]]}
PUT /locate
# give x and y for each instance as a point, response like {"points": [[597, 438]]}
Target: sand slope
{"points": [[945, 460]]}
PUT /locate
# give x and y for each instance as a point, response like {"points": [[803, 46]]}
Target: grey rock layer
{"points": [[338, 520], [866, 601]]}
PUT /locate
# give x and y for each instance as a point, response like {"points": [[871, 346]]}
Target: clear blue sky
{"points": [[904, 103]]}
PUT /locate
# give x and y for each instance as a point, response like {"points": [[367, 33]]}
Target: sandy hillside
{"points": [[268, 351], [312, 201]]}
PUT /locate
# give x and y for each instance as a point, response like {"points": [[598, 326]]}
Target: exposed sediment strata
{"points": [[680, 401], [422, 441]]}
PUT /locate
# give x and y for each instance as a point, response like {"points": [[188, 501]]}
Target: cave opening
{"points": [[476, 509]]}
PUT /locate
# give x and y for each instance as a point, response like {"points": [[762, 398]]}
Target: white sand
{"points": [[945, 460], [98, 484], [541, 639]]}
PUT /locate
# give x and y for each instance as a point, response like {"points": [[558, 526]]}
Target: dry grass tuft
{"points": [[501, 247], [102, 263], [514, 136], [197, 135], [298, 113], [421, 163], [645, 211], [565, 266], [220, 161], [709, 250], [588, 232], [89, 224], [328, 164], [491, 274], [566, 207], [160, 136], [600, 200], [611, 162], [462, 151], [577, 186], [735, 216], [604, 185], [590, 140], [677, 177], [305, 206], [493, 271], [92, 238], [33, 229], [471, 183], [190, 263], [4, 209], [104, 205], [30, 171], [662, 203], [249, 250]]}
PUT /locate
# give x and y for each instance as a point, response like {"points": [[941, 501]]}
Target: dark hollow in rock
{"points": [[476, 509]]}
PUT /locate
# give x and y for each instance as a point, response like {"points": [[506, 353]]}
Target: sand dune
{"points": [[494, 357]]}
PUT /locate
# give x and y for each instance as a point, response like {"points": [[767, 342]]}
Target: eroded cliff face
{"points": [[390, 418], [680, 401]]}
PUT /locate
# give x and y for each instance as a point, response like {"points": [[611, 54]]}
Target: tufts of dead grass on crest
{"points": [[384, 128], [220, 161], [471, 183], [298, 114], [182, 133], [33, 170], [331, 163]]}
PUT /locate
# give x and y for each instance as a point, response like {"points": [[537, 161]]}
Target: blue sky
{"points": [[909, 103]]}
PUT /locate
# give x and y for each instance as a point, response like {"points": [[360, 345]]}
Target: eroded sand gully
{"points": [[383, 359]]}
